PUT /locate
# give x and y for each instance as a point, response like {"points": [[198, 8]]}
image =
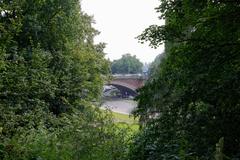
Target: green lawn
{"points": [[124, 120], [118, 117]]}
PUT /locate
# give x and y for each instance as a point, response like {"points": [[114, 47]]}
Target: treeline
{"points": [[190, 107], [127, 64], [50, 75]]}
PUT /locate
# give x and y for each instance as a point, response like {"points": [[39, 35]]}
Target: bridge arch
{"points": [[125, 90], [127, 84]]}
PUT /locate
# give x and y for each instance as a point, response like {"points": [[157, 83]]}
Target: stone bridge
{"points": [[128, 83]]}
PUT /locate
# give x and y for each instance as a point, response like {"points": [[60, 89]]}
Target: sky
{"points": [[120, 22]]}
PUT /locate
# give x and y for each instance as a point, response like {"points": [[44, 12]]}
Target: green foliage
{"points": [[85, 135], [153, 68], [192, 99], [51, 73], [126, 65], [51, 54]]}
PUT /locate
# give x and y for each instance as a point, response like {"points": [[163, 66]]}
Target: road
{"points": [[120, 106]]}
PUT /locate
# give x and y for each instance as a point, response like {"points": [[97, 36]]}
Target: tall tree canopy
{"points": [[51, 72], [127, 65], [48, 51], [194, 95]]}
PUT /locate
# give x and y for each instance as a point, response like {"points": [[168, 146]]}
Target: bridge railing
{"points": [[132, 76]]}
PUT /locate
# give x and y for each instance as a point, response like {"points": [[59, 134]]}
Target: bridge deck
{"points": [[129, 76]]}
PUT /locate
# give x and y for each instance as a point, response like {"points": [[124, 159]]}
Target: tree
{"points": [[194, 95], [154, 66], [51, 48], [126, 65], [51, 73]]}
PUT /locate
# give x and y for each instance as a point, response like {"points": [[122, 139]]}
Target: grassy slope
{"points": [[124, 120]]}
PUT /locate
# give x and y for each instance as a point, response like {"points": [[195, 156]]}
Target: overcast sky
{"points": [[120, 21]]}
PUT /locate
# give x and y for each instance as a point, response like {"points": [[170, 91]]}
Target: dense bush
{"points": [[51, 73], [90, 134], [192, 99]]}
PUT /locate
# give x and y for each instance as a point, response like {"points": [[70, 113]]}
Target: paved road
{"points": [[120, 106]]}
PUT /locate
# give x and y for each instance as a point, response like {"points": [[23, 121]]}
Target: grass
{"points": [[124, 120], [118, 117]]}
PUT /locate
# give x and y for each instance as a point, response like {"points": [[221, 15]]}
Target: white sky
{"points": [[120, 21]]}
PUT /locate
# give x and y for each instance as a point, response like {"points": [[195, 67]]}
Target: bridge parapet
{"points": [[130, 76]]}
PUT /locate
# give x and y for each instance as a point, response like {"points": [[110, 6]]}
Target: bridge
{"points": [[127, 84]]}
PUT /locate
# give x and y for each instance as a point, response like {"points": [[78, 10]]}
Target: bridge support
{"points": [[125, 92]]}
